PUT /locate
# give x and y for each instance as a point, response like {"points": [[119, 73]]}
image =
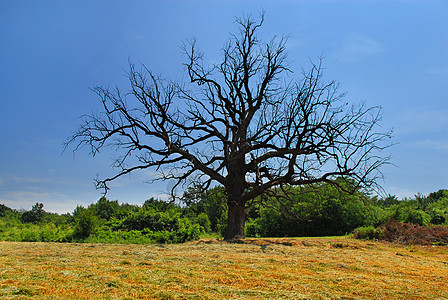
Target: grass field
{"points": [[308, 268]]}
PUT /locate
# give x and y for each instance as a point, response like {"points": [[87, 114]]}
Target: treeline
{"points": [[321, 211], [105, 221], [312, 211]]}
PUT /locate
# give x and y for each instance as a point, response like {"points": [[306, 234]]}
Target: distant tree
{"points": [[436, 196], [241, 123], [85, 223], [4, 210], [35, 215], [212, 202], [106, 209], [391, 200], [158, 205]]}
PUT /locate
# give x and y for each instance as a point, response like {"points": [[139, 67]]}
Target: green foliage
{"points": [[416, 220], [106, 209], [35, 215], [86, 223], [159, 205], [120, 237], [318, 211], [423, 210], [213, 204], [368, 233], [438, 208], [417, 217], [14, 230], [253, 227], [203, 220], [149, 218], [314, 211], [4, 210]]}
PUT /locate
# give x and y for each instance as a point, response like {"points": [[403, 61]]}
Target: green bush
{"points": [[203, 220], [187, 231], [42, 233], [368, 233], [85, 224], [253, 228], [438, 217], [152, 220], [120, 237]]}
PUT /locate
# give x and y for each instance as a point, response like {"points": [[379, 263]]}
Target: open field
{"points": [[308, 268]]}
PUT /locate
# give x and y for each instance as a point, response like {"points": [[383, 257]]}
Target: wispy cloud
{"points": [[438, 71], [423, 128], [25, 199], [19, 179], [415, 121], [439, 145], [11, 179], [135, 35], [357, 47], [400, 192], [53, 201]]}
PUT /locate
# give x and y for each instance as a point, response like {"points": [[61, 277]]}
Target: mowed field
{"points": [[305, 268]]}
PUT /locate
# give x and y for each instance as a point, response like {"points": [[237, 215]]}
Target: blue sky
{"points": [[387, 53]]}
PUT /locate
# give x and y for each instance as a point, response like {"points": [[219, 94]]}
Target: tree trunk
{"points": [[236, 219]]}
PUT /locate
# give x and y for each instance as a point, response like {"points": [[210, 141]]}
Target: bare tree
{"points": [[239, 123]]}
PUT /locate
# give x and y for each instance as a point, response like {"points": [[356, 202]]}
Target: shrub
{"points": [[150, 226], [417, 217], [186, 232], [438, 218], [151, 219], [365, 232], [253, 228], [368, 233], [120, 237], [203, 220], [85, 225]]}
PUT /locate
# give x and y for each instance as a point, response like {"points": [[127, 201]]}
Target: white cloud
{"points": [[438, 70], [420, 121], [53, 201], [20, 179], [23, 199], [357, 47], [400, 193], [135, 35], [440, 145]]}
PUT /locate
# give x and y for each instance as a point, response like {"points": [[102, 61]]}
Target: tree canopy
{"points": [[242, 123]]}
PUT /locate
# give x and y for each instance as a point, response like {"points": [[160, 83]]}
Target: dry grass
{"points": [[311, 268]]}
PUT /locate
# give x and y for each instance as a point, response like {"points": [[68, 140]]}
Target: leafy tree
{"points": [[241, 123], [203, 220], [35, 215], [212, 202], [86, 223], [315, 211], [437, 196], [106, 209], [4, 210], [438, 207], [388, 201], [159, 205]]}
